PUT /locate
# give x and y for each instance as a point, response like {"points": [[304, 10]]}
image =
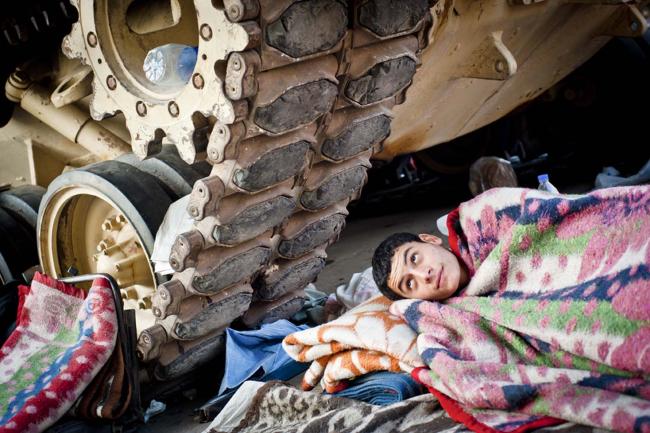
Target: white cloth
{"points": [[441, 223], [177, 220], [236, 409], [359, 289]]}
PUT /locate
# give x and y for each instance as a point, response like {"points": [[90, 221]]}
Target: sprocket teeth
{"points": [[145, 142], [70, 44], [144, 148], [189, 140], [101, 104]]}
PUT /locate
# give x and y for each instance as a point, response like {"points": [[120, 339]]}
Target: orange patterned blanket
{"points": [[365, 339]]}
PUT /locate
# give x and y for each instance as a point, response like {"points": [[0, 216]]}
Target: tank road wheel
{"points": [[18, 214], [288, 101], [173, 174], [103, 218]]}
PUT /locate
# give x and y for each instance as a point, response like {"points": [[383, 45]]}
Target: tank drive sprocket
{"points": [[103, 38]]}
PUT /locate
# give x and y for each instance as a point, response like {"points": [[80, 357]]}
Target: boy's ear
{"points": [[430, 239]]}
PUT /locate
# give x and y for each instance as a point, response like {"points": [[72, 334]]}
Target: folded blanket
{"points": [[556, 318], [60, 343], [382, 388], [365, 339]]}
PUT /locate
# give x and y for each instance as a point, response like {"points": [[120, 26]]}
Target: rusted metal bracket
{"points": [[150, 342], [492, 60], [241, 75], [185, 250], [167, 299], [240, 10], [223, 141], [205, 198]]}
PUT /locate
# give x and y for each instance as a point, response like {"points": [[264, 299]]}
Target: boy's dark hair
{"points": [[382, 260]]}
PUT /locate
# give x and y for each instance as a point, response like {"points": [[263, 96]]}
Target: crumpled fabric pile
{"points": [[365, 339], [62, 340]]}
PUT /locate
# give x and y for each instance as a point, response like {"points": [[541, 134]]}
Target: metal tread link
{"points": [[319, 90]]}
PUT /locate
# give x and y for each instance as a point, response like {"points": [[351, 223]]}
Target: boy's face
{"points": [[425, 270]]}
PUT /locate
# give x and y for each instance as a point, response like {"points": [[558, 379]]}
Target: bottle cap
{"points": [[542, 178]]}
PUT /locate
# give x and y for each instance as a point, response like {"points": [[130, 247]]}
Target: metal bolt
{"points": [[206, 32], [163, 295], [105, 244], [235, 12], [156, 311], [213, 154], [172, 107], [141, 108], [92, 39], [499, 66], [197, 80], [111, 82], [121, 219], [174, 264], [236, 63], [194, 212]]}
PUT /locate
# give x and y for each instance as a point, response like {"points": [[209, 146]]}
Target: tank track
{"points": [[309, 101]]}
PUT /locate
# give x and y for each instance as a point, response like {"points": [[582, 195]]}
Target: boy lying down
{"points": [[417, 267], [541, 308]]}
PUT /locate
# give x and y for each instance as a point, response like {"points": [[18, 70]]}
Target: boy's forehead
{"points": [[397, 265], [398, 255]]}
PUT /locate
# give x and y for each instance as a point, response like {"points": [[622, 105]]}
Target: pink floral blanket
{"points": [[556, 318]]}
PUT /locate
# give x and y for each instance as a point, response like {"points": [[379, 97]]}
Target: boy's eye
{"points": [[409, 284], [414, 258]]}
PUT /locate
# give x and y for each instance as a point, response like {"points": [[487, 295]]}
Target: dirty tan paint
{"points": [[548, 41]]}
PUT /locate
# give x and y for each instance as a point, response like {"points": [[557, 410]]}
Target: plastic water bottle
{"points": [[545, 185], [170, 65]]}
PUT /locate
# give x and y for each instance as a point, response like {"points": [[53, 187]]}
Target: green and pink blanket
{"points": [[62, 340], [556, 319]]}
